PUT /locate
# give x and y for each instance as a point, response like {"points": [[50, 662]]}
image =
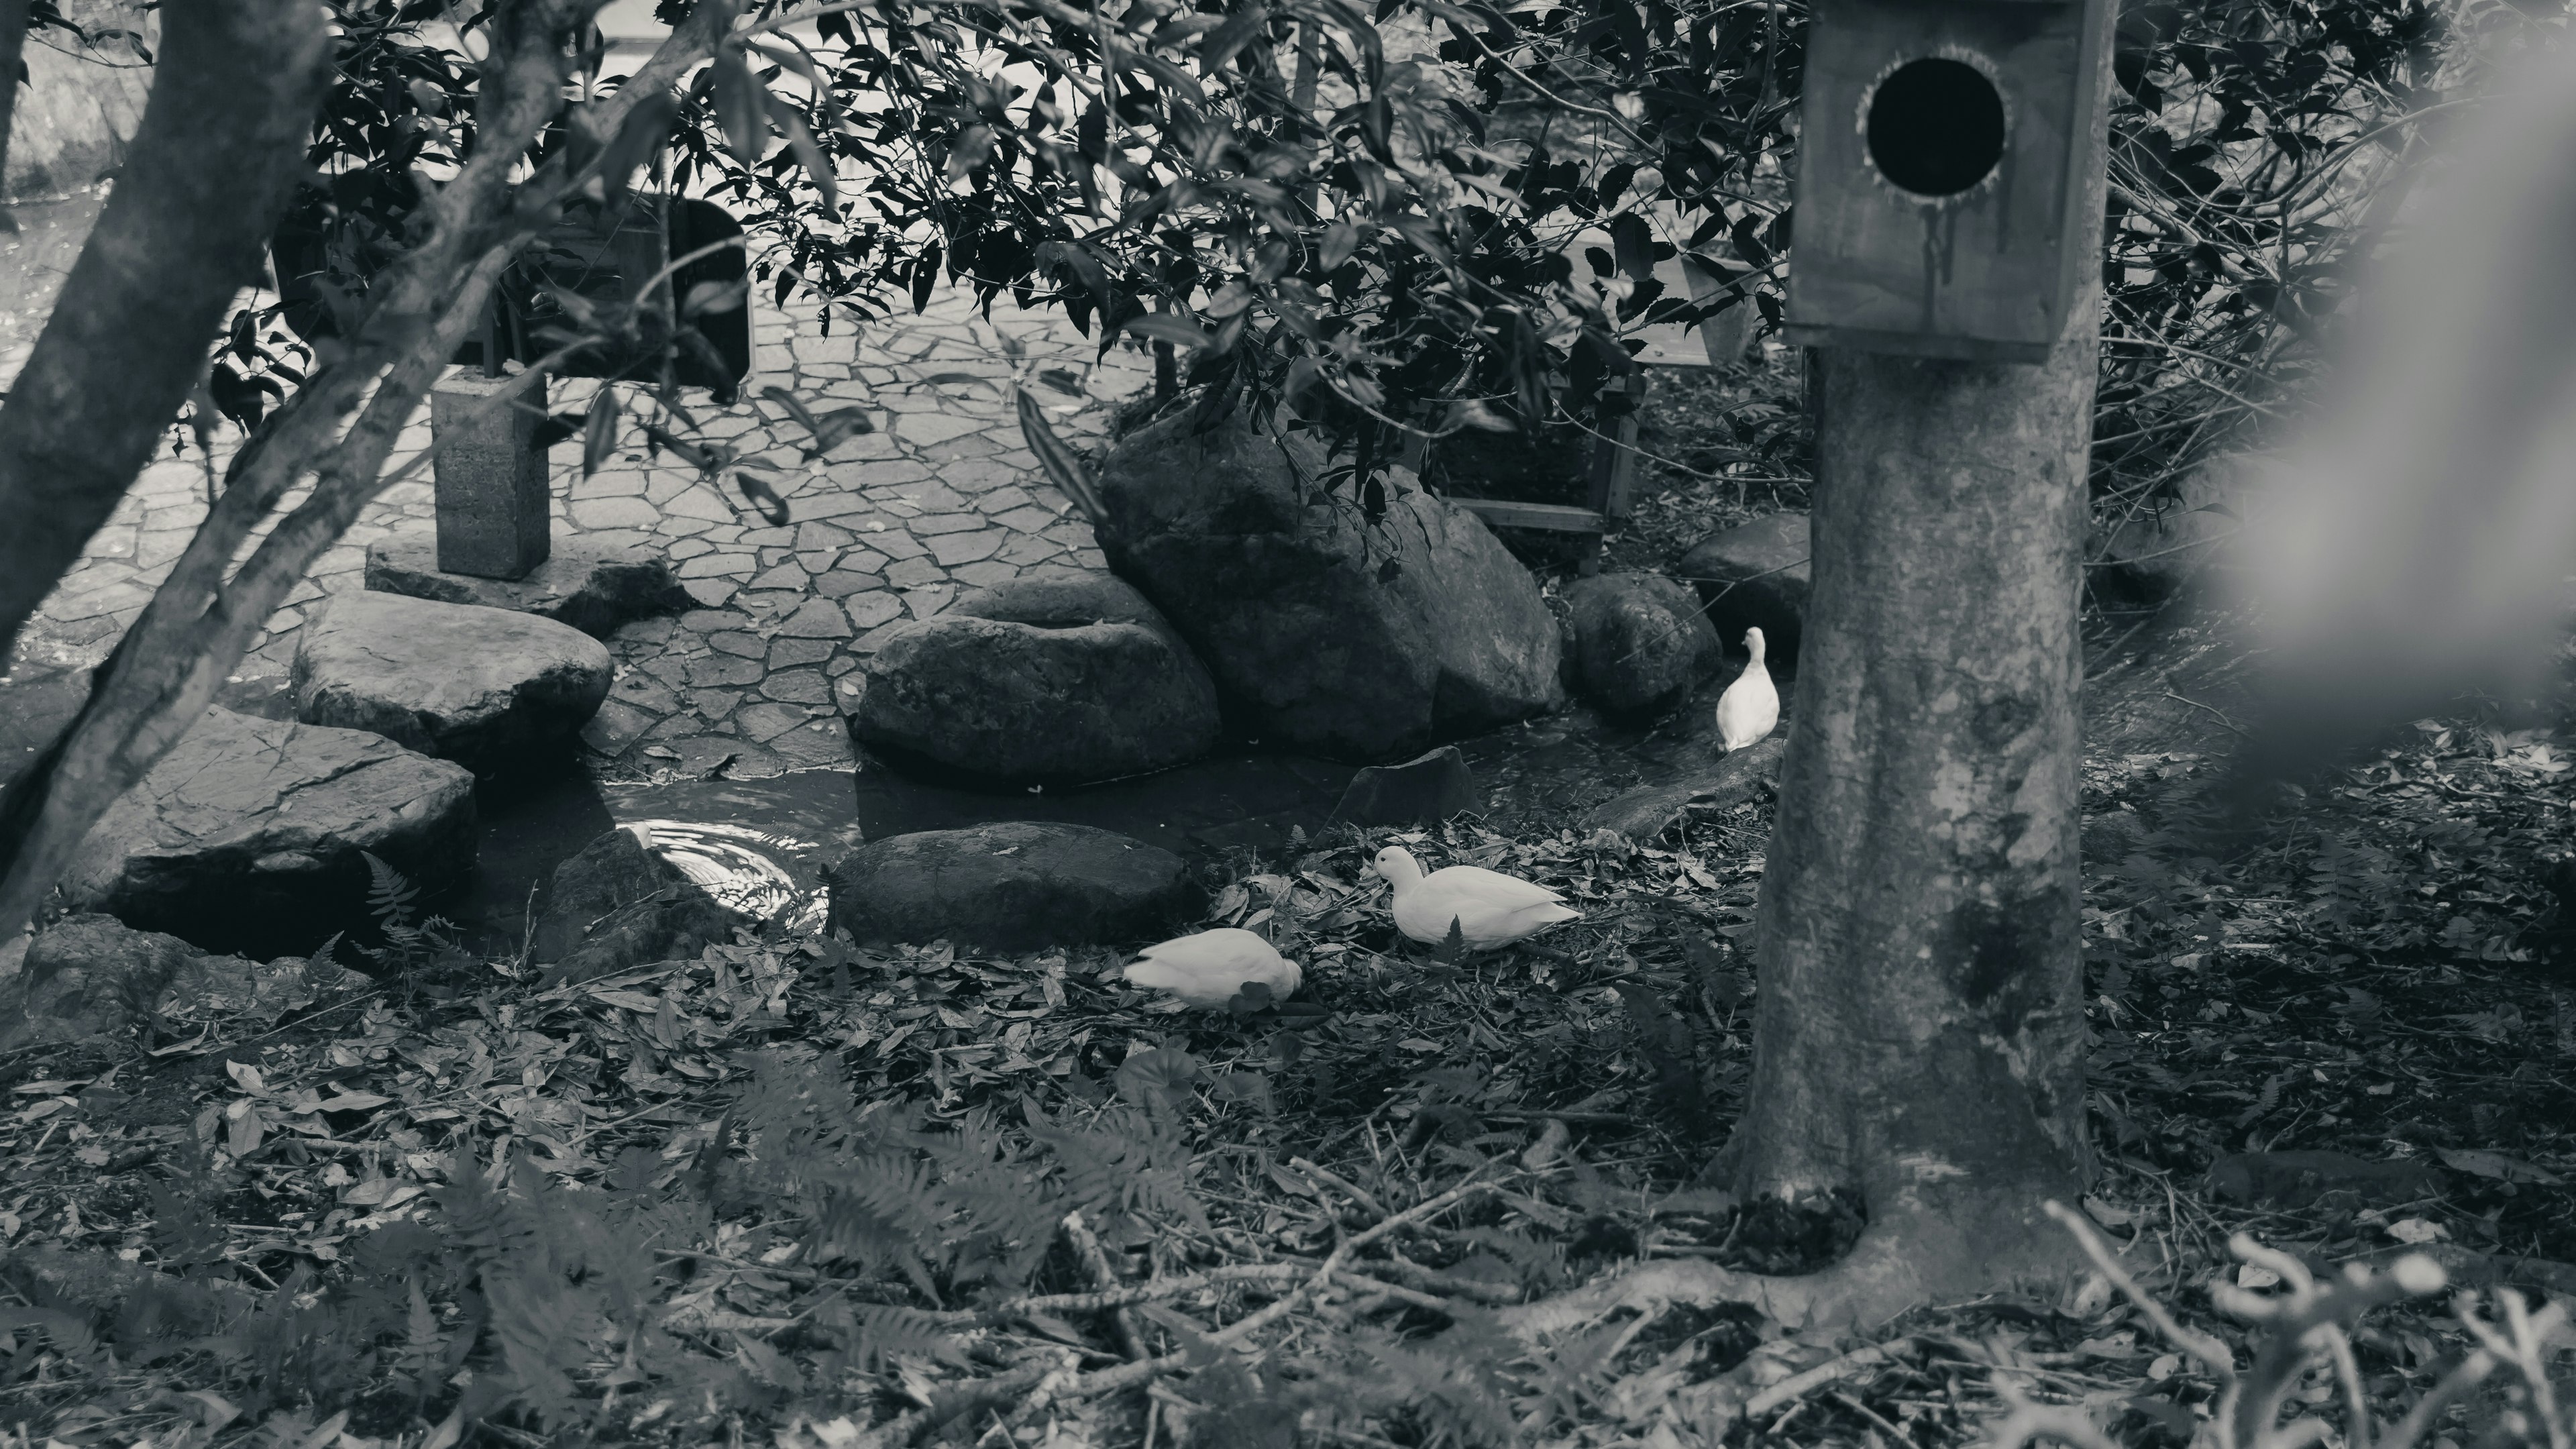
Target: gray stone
{"points": [[248, 835], [491, 477], [1641, 644], [87, 979], [1013, 886], [1331, 635], [1418, 792], [1754, 577], [617, 905], [1645, 813], [488, 688], [1061, 677], [592, 587]]}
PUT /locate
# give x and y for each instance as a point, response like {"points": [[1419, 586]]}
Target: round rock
{"points": [[248, 835], [1062, 678], [1011, 886], [1641, 643], [487, 688]]}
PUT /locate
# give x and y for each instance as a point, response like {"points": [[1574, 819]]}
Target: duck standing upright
{"points": [[1750, 708], [1489, 908], [1210, 969]]}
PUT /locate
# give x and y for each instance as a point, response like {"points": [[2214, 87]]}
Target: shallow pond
{"points": [[766, 841]]}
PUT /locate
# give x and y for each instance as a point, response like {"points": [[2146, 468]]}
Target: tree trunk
{"points": [[13, 50], [219, 145], [1919, 1032], [1919, 1036]]}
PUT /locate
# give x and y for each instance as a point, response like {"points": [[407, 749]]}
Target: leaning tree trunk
{"points": [[211, 168], [1919, 1033]]}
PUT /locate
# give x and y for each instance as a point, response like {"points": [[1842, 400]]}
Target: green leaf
{"points": [[599, 431], [794, 405], [973, 145], [739, 104], [838, 426], [762, 496], [1232, 36], [1165, 327], [1340, 240], [818, 167], [1474, 412], [710, 297], [1063, 467]]}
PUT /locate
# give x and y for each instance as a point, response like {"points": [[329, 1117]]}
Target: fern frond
{"points": [[389, 899], [886, 1332]]}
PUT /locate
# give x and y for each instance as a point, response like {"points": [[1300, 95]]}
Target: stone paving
{"points": [[888, 527]]}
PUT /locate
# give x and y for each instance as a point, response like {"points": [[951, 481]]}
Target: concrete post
{"points": [[492, 479]]}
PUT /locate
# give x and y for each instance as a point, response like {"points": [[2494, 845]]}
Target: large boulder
{"points": [[89, 977], [1328, 633], [1062, 678], [1641, 644], [1754, 576], [248, 835], [1012, 886], [488, 688], [618, 904], [590, 586]]}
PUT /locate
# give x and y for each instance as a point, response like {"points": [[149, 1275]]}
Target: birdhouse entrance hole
{"points": [[1935, 127]]}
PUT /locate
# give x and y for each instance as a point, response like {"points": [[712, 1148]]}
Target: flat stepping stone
{"points": [[487, 688], [590, 586], [248, 835], [1011, 886], [1063, 678]]}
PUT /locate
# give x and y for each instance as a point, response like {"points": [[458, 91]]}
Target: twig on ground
{"points": [[1086, 1245], [1799, 1385]]}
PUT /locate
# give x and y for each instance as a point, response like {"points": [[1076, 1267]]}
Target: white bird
{"points": [[1211, 968], [1490, 908], [1751, 706]]}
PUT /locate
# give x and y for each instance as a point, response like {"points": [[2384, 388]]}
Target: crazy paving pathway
{"points": [[943, 496]]}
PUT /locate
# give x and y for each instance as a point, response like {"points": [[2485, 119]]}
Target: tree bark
{"points": [[1919, 1032], [220, 141], [13, 50]]}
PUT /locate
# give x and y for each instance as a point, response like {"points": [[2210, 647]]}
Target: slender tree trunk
{"points": [[232, 101], [13, 50], [1919, 1032], [165, 671]]}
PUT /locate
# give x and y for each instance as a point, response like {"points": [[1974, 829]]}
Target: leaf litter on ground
{"points": [[830, 1194]]}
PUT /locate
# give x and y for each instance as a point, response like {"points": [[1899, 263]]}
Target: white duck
{"points": [[1490, 908], [1209, 969], [1751, 706]]}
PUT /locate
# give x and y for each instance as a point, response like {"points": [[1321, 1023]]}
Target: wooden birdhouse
{"points": [[1940, 174]]}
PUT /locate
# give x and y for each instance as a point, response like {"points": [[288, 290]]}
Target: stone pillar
{"points": [[492, 488]]}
